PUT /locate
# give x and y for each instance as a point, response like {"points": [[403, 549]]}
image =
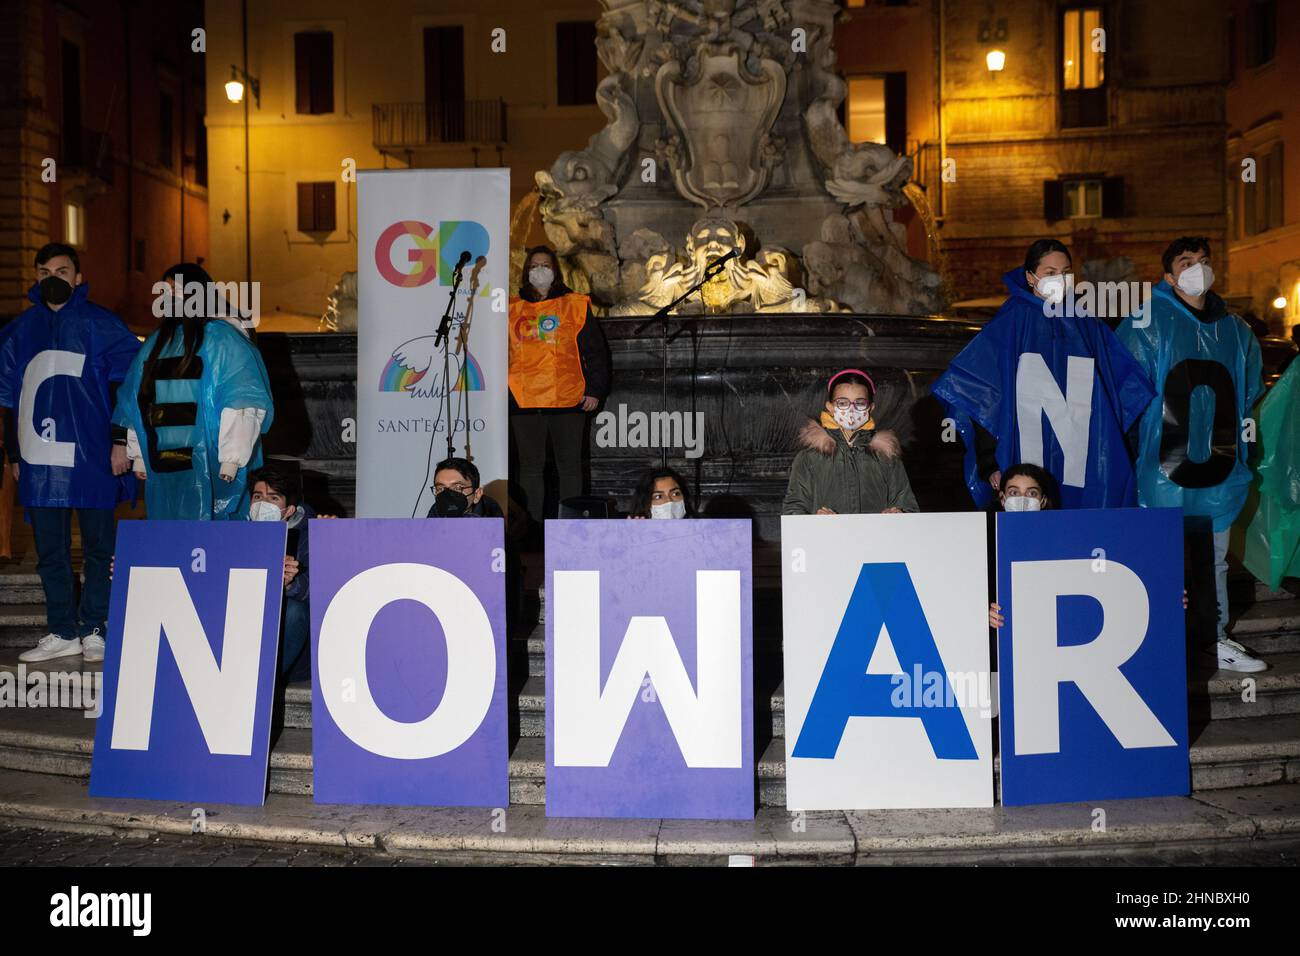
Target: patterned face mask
{"points": [[851, 418]]}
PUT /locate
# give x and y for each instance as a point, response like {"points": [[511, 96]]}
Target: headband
{"points": [[830, 386]]}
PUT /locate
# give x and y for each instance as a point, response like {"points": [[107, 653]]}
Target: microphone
{"points": [[715, 266], [464, 258]]}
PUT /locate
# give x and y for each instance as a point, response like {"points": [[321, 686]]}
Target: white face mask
{"points": [[851, 418], [541, 277], [673, 509], [264, 511], [1022, 503], [1051, 288], [1197, 279]]}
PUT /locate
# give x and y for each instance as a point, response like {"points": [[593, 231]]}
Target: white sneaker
{"points": [[51, 646], [92, 647], [1233, 657]]}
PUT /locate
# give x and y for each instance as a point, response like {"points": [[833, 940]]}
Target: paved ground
{"points": [[32, 847], [21, 846]]}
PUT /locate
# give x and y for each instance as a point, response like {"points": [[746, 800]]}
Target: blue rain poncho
{"points": [[55, 372], [187, 427], [1193, 454], [1057, 391]]}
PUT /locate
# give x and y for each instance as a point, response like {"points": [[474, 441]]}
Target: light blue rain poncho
{"points": [[1193, 454], [192, 423]]}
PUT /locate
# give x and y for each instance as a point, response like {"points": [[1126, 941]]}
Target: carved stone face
{"points": [[713, 238]]}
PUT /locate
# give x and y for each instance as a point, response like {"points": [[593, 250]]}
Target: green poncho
{"points": [[1272, 530]]}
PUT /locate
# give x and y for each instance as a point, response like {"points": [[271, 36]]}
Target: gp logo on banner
{"points": [[189, 671], [649, 669], [408, 660], [1092, 656], [888, 693], [433, 252]]}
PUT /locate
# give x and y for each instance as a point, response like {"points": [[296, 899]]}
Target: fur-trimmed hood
{"points": [[812, 434]]}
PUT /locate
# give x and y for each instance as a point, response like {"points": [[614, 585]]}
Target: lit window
{"points": [[866, 109], [1083, 199], [1083, 57], [74, 224]]}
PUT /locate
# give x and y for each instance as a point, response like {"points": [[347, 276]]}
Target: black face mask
{"points": [[54, 291], [450, 503]]}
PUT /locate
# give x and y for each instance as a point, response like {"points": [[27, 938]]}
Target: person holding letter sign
{"points": [[1045, 384], [1193, 452], [195, 404], [846, 465], [60, 364]]}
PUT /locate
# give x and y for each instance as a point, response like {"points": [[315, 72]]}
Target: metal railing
{"points": [[411, 125]]}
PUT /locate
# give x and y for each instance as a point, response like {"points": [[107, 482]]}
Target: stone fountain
{"points": [[722, 133]]}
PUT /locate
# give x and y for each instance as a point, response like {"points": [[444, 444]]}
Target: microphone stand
{"points": [[710, 271], [444, 338]]}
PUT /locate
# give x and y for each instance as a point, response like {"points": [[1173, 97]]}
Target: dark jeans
{"points": [[530, 432], [52, 528], [295, 631]]}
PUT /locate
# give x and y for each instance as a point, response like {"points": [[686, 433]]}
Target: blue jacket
{"points": [[179, 428], [1025, 361], [1193, 454], [55, 373]]}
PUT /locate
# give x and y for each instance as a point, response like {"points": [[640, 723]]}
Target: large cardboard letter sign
{"points": [[1092, 657], [887, 688], [649, 669], [189, 668], [408, 658]]}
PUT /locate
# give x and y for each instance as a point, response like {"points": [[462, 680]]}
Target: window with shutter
{"points": [[1053, 200], [316, 207], [313, 56], [1112, 197], [1083, 68], [166, 147], [575, 63]]}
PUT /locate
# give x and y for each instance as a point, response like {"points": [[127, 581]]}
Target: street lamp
{"points": [[1279, 302], [239, 78], [235, 86], [995, 60]]}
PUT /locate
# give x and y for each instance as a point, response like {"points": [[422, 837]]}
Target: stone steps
{"points": [[1276, 691], [21, 625], [1271, 626], [1224, 754], [1167, 829]]}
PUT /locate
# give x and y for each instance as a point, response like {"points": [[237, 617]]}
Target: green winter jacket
{"points": [[848, 479]]}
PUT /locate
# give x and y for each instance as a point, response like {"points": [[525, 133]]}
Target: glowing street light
{"points": [[1279, 302], [996, 60], [235, 87]]}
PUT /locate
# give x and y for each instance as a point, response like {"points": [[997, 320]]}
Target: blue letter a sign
{"points": [[868, 729], [884, 598]]}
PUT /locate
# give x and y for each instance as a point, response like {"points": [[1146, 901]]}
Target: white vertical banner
{"points": [[414, 226], [888, 696]]}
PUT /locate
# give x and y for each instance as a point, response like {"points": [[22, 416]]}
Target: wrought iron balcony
{"points": [[410, 126]]}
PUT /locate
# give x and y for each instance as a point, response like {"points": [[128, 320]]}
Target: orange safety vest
{"points": [[545, 365]]}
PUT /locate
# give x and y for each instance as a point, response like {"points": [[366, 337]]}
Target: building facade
{"points": [[411, 84], [1263, 169], [1101, 124], [101, 110]]}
